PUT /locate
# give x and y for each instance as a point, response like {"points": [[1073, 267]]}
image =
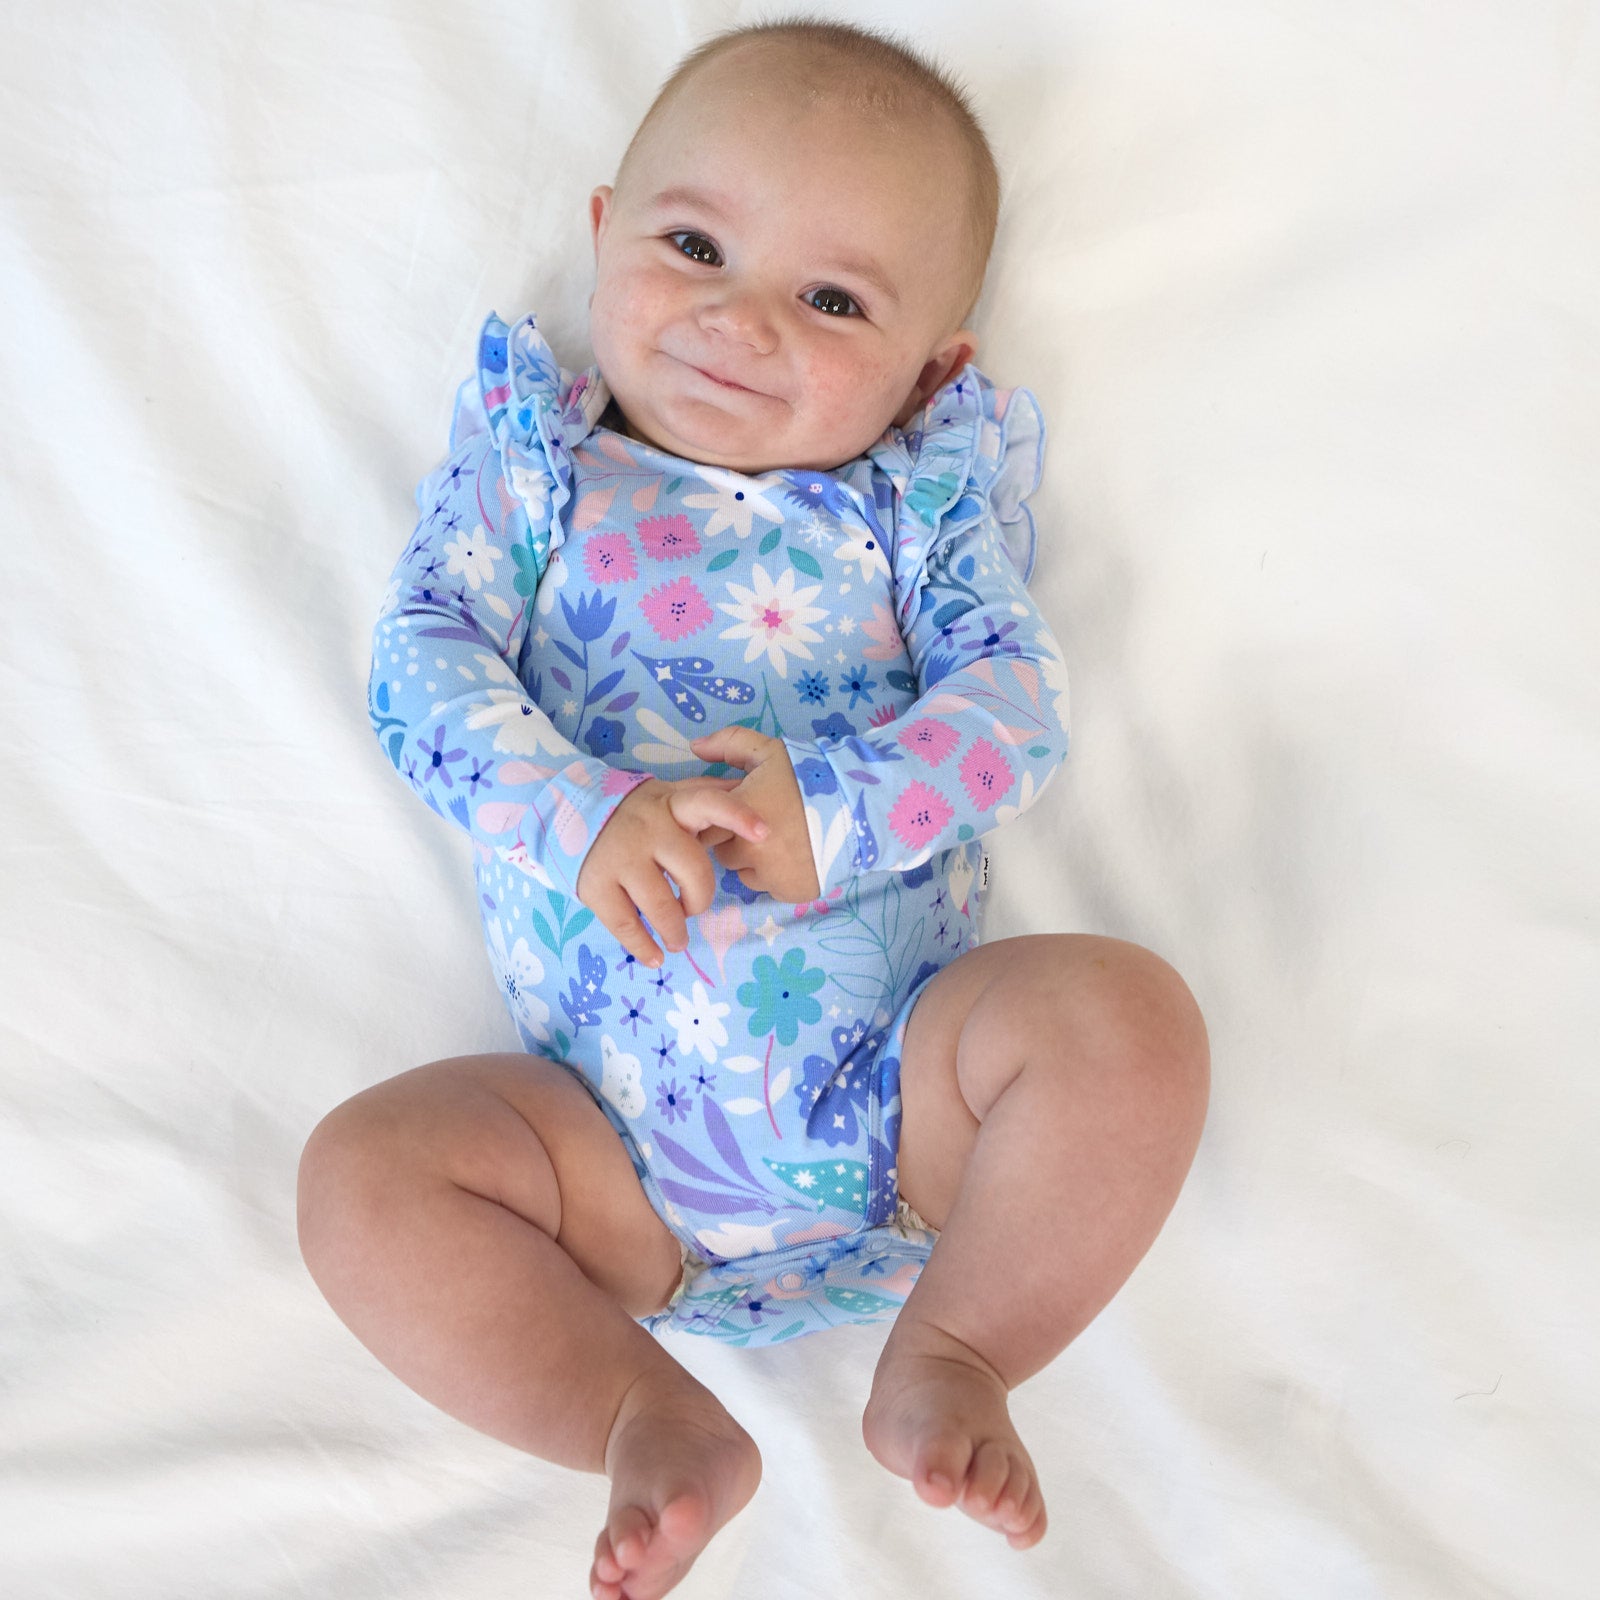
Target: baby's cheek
{"points": [[858, 400]]}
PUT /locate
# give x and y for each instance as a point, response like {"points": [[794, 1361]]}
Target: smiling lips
{"points": [[722, 383]]}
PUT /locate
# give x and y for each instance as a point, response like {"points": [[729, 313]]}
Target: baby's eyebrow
{"points": [[699, 199]]}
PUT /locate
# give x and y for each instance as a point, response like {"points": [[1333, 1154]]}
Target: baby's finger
{"points": [[735, 853], [657, 902], [615, 910], [695, 810], [710, 838], [690, 865], [705, 780], [738, 747]]}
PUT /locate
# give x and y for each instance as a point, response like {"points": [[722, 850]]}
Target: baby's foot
{"points": [[680, 1467], [938, 1416]]}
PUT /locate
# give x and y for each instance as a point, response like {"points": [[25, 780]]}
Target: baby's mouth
{"points": [[722, 382]]}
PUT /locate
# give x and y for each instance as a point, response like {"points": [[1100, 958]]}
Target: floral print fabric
{"points": [[575, 606]]}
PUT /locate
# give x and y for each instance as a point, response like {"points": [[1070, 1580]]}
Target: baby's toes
{"points": [[943, 1470], [1017, 1507], [991, 1471], [623, 1544], [1032, 1530]]}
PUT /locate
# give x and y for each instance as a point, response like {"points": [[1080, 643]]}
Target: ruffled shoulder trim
{"points": [[537, 413], [972, 447]]}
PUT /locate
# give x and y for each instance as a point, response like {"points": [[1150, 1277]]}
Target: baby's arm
{"points": [[977, 747], [447, 702]]}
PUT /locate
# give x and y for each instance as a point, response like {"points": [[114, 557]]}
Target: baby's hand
{"points": [[780, 864], [651, 833]]}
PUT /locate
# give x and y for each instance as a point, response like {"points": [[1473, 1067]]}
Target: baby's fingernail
{"points": [[761, 830]]}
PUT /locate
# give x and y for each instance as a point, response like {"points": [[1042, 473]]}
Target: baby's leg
{"points": [[478, 1225], [1053, 1089]]}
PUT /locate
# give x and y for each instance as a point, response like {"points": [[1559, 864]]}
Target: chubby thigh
{"points": [[520, 1131]]}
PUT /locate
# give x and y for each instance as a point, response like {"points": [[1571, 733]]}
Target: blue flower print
{"points": [[816, 776], [439, 759], [833, 726], [817, 491], [592, 615], [813, 687], [858, 684], [586, 995], [997, 640], [917, 876], [636, 1013], [779, 997], [833, 1094], [674, 1102], [604, 737], [733, 884]]}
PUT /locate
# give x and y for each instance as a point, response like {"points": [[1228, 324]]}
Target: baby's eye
{"points": [[697, 247], [835, 302]]}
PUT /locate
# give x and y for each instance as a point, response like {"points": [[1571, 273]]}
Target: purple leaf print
{"points": [[702, 1199], [722, 1137], [684, 1161]]}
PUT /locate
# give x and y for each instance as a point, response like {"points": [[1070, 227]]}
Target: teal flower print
{"points": [[779, 998]]}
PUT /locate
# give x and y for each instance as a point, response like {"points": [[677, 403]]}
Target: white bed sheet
{"points": [[1309, 295]]}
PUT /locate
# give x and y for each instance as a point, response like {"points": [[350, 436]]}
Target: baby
{"points": [[721, 653]]}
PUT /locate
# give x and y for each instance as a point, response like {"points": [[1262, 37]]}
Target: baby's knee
{"points": [[1159, 1022], [342, 1168]]}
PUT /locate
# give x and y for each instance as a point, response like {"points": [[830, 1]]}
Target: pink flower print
{"points": [[919, 814], [986, 774], [668, 538], [676, 609], [931, 740], [616, 781], [608, 558]]}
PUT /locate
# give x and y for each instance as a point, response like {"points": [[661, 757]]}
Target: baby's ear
{"points": [[599, 210], [945, 362]]}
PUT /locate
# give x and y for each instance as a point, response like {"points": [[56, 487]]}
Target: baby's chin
{"points": [[711, 439]]}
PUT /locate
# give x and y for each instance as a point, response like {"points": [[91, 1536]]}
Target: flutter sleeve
{"points": [[988, 728], [454, 652]]}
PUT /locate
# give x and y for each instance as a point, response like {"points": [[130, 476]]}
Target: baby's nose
{"points": [[742, 315]]}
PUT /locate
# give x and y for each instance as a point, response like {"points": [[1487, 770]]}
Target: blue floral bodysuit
{"points": [[575, 606]]}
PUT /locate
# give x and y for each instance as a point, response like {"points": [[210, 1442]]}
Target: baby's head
{"points": [[795, 240]]}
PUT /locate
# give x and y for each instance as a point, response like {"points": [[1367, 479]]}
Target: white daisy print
{"points": [[734, 500], [520, 727], [532, 486], [698, 1021], [1026, 795], [518, 970], [1055, 675], [473, 557], [772, 618], [555, 574], [672, 747], [865, 549]]}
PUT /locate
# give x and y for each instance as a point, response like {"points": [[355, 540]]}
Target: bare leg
{"points": [[477, 1224], [1053, 1092]]}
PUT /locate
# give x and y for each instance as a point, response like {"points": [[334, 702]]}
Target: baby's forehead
{"points": [[795, 76]]}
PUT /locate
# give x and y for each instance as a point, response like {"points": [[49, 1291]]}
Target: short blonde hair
{"points": [[880, 74]]}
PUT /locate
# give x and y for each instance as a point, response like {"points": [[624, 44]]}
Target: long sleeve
{"points": [[454, 659], [988, 727]]}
